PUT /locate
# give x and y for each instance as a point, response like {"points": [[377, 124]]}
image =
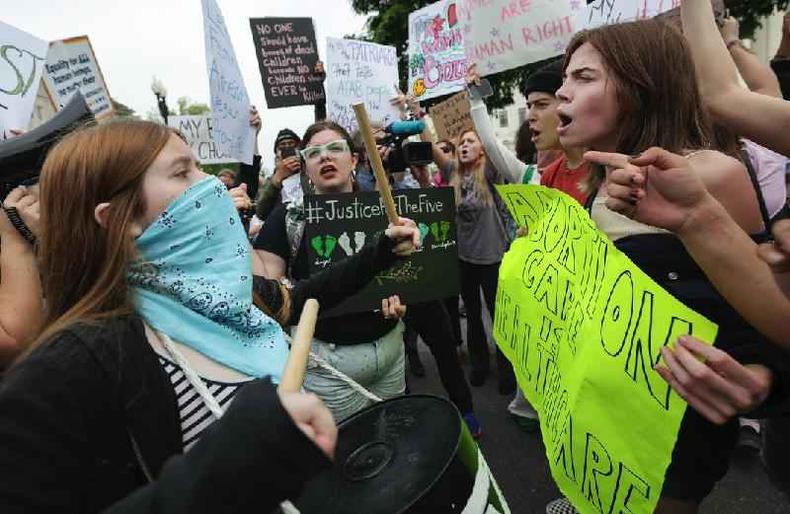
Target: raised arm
{"points": [[503, 159], [758, 76], [760, 118]]}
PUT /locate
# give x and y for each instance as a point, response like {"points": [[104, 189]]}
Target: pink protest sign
{"points": [[503, 34]]}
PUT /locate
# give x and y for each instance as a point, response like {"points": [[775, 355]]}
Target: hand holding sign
{"points": [[658, 188], [713, 383], [405, 235]]}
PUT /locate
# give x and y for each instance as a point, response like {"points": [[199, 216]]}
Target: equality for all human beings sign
{"points": [[339, 225], [451, 116], [583, 328], [503, 34], [230, 104], [22, 58], [287, 56], [72, 66], [358, 71], [199, 133], [437, 62]]}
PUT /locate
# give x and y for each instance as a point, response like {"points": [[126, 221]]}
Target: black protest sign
{"points": [[287, 55], [339, 225]]}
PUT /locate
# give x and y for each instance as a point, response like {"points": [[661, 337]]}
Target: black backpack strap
{"points": [[747, 161], [588, 203]]}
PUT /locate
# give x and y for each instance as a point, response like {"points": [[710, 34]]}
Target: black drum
{"points": [[411, 454]]}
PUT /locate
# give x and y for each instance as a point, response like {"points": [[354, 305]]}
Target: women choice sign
{"points": [[437, 63]]}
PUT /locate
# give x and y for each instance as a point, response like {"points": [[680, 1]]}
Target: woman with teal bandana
{"points": [[154, 370]]}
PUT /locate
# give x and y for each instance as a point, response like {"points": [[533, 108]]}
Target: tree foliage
{"points": [[188, 108], [388, 25], [122, 110]]}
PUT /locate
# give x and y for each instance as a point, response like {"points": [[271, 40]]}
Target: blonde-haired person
{"points": [[483, 237], [151, 383]]}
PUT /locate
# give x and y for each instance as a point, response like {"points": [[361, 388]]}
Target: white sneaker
{"points": [[560, 506]]}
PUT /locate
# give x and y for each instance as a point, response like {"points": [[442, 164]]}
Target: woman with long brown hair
{"points": [[483, 238], [151, 337], [629, 87]]}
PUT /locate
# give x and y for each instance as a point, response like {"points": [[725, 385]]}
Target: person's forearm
{"points": [[21, 307], [758, 76], [729, 258], [503, 159], [248, 174], [343, 279], [716, 71], [270, 193]]}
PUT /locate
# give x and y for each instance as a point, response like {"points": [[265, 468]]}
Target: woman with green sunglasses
{"points": [[367, 346]]}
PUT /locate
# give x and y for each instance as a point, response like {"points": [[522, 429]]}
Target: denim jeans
{"points": [[377, 366]]}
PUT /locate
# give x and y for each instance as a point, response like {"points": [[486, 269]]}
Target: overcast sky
{"points": [[137, 39]]}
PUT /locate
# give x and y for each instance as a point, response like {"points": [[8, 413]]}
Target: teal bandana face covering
{"points": [[194, 283]]}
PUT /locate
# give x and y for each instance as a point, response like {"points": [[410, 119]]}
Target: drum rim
{"points": [[456, 445]]}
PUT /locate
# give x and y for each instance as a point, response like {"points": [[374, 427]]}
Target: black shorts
{"points": [[701, 457]]}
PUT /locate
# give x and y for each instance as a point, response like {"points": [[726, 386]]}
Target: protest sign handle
{"points": [[293, 375], [375, 161]]}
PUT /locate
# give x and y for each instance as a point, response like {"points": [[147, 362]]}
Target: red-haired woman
{"points": [[152, 375]]}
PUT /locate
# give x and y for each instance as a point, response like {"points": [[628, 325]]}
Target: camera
{"points": [[21, 157], [404, 153]]}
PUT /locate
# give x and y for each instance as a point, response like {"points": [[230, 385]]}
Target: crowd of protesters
{"points": [[144, 304]]}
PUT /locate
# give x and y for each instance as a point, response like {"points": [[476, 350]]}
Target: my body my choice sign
{"points": [[339, 225], [583, 327]]}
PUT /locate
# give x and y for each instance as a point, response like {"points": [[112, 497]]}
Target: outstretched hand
{"points": [[657, 188]]}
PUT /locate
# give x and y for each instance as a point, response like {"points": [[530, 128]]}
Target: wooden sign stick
{"points": [[295, 367], [375, 161]]}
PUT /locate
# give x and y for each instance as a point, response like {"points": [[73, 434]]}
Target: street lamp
{"points": [[161, 97]]}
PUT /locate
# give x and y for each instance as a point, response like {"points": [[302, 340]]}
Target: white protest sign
{"points": [[72, 66], [230, 104], [199, 132], [22, 59], [607, 12], [292, 189], [357, 71], [503, 34], [437, 62]]}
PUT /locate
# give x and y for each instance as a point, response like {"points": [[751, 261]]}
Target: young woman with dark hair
{"points": [[629, 87], [366, 346]]}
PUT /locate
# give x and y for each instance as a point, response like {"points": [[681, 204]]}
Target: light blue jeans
{"points": [[377, 366]]}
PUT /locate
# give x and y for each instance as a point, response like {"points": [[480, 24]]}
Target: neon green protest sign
{"points": [[583, 327]]}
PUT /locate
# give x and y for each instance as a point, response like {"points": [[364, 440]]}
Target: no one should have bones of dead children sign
{"points": [[583, 327]]}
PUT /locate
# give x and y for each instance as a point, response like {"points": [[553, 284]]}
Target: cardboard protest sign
{"points": [[72, 66], [583, 327], [452, 115], [607, 12], [22, 58], [230, 104], [287, 56], [199, 133], [338, 226], [502, 34], [357, 71], [437, 62]]}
